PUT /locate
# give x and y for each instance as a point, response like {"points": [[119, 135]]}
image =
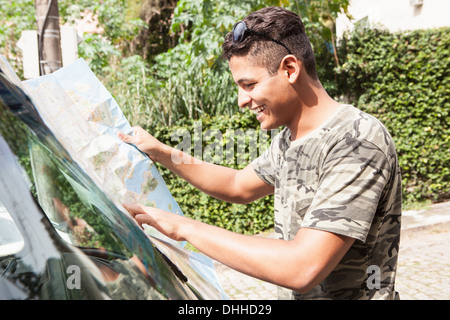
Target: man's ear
{"points": [[291, 67]]}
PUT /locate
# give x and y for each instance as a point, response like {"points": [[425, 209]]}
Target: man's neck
{"points": [[316, 107]]}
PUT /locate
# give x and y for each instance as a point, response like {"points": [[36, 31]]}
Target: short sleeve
{"points": [[265, 165], [351, 180]]}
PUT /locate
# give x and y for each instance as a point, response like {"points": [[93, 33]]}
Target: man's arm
{"points": [[299, 264], [237, 186]]}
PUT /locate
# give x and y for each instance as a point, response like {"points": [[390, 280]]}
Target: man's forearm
{"points": [[271, 260], [298, 264], [238, 186], [214, 180]]}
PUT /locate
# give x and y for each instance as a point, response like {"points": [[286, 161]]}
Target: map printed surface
{"points": [[86, 119]]}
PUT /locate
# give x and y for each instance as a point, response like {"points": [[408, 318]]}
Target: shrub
{"points": [[403, 79]]}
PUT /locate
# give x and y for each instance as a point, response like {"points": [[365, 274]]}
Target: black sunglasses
{"points": [[240, 29]]}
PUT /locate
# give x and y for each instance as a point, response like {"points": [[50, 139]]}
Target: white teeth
{"points": [[258, 109]]}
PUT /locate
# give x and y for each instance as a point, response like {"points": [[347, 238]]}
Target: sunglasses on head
{"points": [[240, 29]]}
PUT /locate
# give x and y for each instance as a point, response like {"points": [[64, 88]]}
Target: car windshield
{"points": [[130, 265]]}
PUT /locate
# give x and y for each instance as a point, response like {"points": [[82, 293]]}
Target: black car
{"points": [[82, 246]]}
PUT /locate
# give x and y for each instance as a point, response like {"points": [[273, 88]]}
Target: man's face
{"points": [[269, 97]]}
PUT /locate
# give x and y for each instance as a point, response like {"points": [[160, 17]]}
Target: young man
{"points": [[333, 171]]}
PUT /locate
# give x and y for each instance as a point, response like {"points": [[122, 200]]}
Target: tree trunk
{"points": [[47, 16]]}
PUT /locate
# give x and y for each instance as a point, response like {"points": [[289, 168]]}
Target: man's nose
{"points": [[244, 98]]}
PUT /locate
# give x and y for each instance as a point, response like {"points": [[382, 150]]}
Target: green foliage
{"points": [[319, 18], [12, 22], [98, 51], [403, 79], [119, 27]]}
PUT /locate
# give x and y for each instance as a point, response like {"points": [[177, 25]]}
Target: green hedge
{"points": [[403, 79]]}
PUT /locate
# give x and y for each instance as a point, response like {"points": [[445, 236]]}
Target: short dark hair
{"points": [[279, 24]]}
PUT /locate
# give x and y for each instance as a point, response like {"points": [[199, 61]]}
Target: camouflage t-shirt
{"points": [[343, 178]]}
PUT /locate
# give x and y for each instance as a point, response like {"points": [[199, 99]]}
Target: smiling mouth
{"points": [[259, 109]]}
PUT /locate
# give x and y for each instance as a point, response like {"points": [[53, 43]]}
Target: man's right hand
{"points": [[144, 141]]}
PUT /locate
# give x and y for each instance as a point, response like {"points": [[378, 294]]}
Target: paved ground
{"points": [[423, 265]]}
